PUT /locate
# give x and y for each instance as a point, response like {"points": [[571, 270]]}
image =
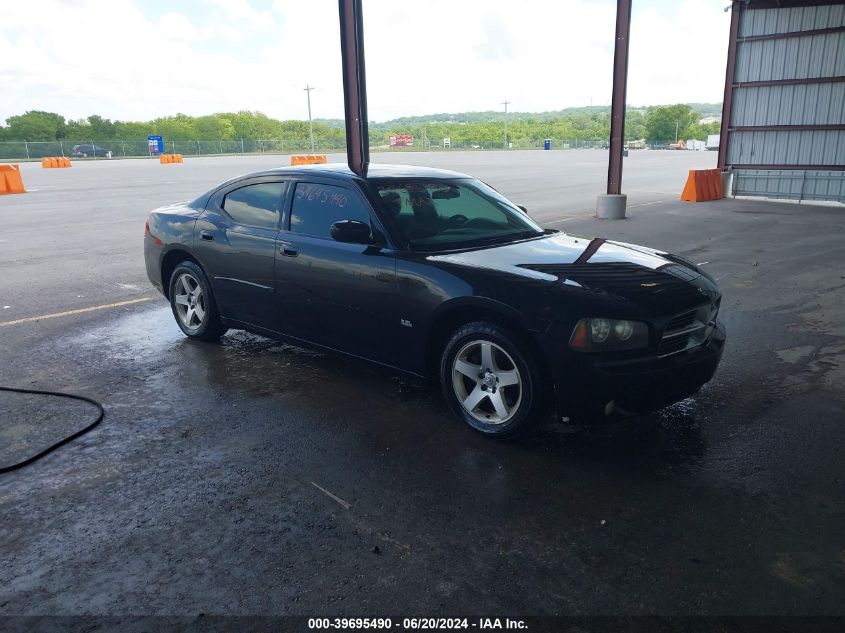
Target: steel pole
{"points": [[620, 86], [354, 85], [727, 101]]}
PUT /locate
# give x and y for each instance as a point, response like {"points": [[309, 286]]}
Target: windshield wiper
{"points": [[511, 237], [493, 239]]}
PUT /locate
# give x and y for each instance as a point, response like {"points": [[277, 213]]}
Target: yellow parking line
{"points": [[56, 315]]}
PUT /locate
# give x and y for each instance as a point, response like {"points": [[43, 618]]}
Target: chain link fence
{"points": [[95, 150], [423, 145]]}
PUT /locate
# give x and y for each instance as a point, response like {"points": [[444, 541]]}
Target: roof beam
{"points": [[789, 167], [831, 127], [790, 34], [789, 82]]}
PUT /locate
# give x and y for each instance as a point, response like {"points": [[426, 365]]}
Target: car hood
{"points": [[649, 278]]}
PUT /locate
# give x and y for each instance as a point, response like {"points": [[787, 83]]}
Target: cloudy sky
{"points": [[139, 59]]}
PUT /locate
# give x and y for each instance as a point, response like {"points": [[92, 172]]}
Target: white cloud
{"points": [[114, 58], [679, 57]]}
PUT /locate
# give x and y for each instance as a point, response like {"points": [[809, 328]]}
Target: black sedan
{"points": [[436, 274]]}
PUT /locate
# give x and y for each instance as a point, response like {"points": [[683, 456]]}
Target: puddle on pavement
{"points": [[147, 345]]}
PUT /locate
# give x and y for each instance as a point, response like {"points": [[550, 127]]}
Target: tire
{"points": [[193, 305], [504, 400]]}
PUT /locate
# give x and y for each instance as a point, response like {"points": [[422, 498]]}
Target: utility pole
{"points": [[677, 123], [506, 103], [308, 90]]}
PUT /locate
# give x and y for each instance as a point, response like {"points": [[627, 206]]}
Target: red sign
{"points": [[402, 140]]}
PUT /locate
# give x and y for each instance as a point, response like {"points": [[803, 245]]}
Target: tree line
{"points": [[655, 124]]}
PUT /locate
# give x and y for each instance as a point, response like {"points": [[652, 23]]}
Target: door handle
{"points": [[288, 250], [208, 236]]}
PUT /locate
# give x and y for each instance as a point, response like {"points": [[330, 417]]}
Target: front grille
{"points": [[688, 329], [672, 345], [682, 321]]}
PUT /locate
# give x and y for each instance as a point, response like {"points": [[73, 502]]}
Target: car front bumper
{"points": [[590, 387]]}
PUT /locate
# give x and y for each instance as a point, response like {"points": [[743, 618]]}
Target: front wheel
{"points": [[491, 380], [193, 304]]}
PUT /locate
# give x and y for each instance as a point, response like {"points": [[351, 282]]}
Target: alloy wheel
{"points": [[487, 382], [189, 301]]}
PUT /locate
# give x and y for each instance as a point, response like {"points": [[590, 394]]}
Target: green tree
{"points": [[663, 123], [701, 132], [215, 127], [176, 128], [36, 125], [245, 125], [132, 130], [635, 125], [101, 129]]}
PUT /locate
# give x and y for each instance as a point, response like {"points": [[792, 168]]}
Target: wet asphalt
{"points": [[251, 477]]}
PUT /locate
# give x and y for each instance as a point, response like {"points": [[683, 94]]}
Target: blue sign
{"points": [[155, 144]]}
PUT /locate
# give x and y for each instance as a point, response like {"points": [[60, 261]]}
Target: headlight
{"points": [[600, 330], [623, 330], [608, 335]]}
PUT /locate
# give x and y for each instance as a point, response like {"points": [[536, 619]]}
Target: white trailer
{"points": [[712, 141]]}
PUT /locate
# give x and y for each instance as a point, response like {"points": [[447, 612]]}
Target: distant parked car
{"points": [[84, 151]]}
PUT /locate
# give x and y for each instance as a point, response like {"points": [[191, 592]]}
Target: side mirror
{"points": [[523, 209], [352, 232]]}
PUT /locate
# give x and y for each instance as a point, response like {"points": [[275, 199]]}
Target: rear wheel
{"points": [[193, 304], [491, 381]]}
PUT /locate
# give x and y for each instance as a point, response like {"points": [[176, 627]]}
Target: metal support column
{"points": [[620, 85], [727, 101], [354, 85]]}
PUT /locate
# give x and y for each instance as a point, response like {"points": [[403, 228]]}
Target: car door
{"points": [[336, 294], [235, 240]]}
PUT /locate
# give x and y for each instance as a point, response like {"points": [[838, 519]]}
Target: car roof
{"points": [[375, 170]]}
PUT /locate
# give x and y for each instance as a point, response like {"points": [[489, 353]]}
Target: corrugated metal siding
{"points": [[791, 58], [802, 104], [769, 22], [816, 147], [791, 185], [802, 57]]}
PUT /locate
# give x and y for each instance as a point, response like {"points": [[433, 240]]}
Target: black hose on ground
{"points": [[62, 442]]}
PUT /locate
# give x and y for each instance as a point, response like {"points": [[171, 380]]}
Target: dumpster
{"points": [[547, 144]]}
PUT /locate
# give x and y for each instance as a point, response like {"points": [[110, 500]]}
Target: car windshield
{"points": [[437, 215]]}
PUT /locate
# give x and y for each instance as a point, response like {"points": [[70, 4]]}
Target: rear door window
{"points": [[255, 205]]}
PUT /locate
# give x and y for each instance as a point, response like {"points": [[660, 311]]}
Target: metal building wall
{"points": [[784, 119]]}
